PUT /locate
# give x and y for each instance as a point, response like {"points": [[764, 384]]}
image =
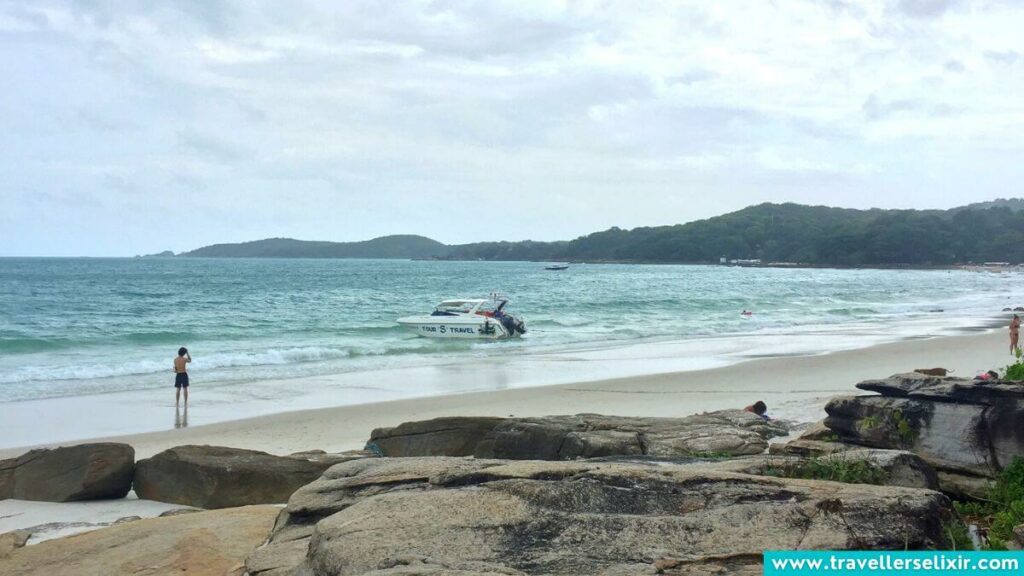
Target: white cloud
{"points": [[342, 121]]}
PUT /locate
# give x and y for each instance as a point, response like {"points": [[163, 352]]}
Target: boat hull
{"points": [[454, 327]]}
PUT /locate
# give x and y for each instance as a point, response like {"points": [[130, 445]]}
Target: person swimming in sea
{"points": [[181, 374], [759, 408]]}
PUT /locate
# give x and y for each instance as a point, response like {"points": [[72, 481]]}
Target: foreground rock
{"points": [[219, 477], [727, 432], [11, 541], [471, 516], [968, 431], [70, 473], [211, 543]]}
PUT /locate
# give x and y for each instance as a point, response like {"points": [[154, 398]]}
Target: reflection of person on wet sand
{"points": [[181, 419], [1014, 333]]}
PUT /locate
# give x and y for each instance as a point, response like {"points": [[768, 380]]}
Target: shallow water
{"points": [[87, 326]]}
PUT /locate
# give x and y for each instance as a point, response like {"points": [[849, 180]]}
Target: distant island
{"points": [[771, 233], [399, 246]]}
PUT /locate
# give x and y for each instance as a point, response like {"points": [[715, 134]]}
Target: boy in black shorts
{"points": [[181, 374]]}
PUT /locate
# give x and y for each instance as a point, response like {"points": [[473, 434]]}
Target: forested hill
{"points": [[794, 233], [815, 235], [384, 247]]}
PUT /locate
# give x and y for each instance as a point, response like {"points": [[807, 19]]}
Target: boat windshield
{"points": [[457, 307]]}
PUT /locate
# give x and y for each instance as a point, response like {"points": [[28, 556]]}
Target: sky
{"points": [[130, 128]]}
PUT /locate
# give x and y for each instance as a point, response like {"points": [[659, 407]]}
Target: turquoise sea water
{"points": [[88, 326]]}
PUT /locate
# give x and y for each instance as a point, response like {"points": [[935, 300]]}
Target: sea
{"points": [[89, 326]]}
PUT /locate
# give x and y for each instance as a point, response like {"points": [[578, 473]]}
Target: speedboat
{"points": [[473, 318]]}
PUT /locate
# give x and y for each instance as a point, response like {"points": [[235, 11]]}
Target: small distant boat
{"points": [[557, 267], [467, 319]]}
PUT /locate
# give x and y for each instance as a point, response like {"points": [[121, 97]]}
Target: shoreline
{"points": [[70, 418], [794, 387]]}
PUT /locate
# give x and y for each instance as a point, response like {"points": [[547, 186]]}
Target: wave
{"points": [[32, 345], [854, 311], [229, 360]]}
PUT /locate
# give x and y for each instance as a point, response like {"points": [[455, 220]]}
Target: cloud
{"points": [[212, 147], [1005, 58], [876, 108], [954, 66], [349, 120], [923, 8]]}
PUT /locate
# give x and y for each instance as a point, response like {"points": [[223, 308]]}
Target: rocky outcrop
{"points": [[731, 432], [11, 541], [967, 430], [212, 543], [815, 440], [898, 467], [477, 516], [219, 477], [69, 473]]}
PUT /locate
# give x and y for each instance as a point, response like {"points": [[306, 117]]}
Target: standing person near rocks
{"points": [[1014, 333], [181, 374]]}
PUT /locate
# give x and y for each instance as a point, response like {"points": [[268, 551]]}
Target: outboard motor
{"points": [[521, 326], [509, 323]]}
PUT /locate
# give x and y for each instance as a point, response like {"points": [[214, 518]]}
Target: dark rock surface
{"points": [[732, 432], [967, 430], [443, 515], [219, 477], [69, 473], [901, 468]]}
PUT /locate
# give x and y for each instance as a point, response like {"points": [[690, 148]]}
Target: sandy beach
{"points": [[794, 387]]}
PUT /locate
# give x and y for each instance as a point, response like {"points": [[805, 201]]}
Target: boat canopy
{"points": [[469, 306], [464, 306]]}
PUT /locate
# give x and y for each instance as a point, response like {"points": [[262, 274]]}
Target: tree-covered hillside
{"points": [[384, 247], [816, 235], [793, 233]]}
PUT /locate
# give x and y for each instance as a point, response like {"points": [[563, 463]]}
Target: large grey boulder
{"points": [[467, 516], [207, 543], [727, 432], [220, 477], [967, 430], [69, 473]]}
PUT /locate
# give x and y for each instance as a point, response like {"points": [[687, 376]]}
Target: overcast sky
{"points": [[132, 128]]}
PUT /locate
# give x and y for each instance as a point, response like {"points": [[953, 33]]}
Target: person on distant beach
{"points": [[181, 374], [1014, 333], [759, 408]]}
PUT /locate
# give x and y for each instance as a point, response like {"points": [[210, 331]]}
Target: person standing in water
{"points": [[181, 374], [1014, 333]]}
